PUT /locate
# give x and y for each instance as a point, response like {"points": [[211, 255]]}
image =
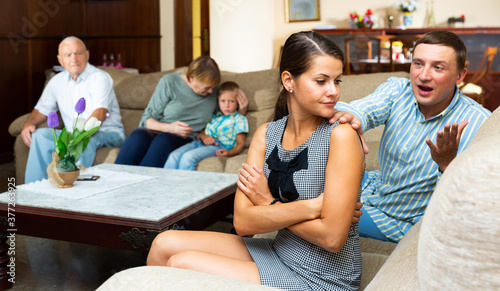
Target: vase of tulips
{"points": [[68, 146]]}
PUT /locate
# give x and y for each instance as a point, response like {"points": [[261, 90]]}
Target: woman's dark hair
{"points": [[298, 52], [204, 69], [449, 39]]}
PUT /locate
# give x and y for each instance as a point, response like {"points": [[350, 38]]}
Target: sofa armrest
{"points": [[158, 278], [17, 125]]}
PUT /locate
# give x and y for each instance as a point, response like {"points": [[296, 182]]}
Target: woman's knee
{"points": [[163, 247], [141, 132], [165, 239], [140, 135], [183, 260]]}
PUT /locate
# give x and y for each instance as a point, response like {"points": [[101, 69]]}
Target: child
{"points": [[224, 135]]}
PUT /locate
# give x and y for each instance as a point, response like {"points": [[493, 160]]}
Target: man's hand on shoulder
{"points": [[447, 141], [347, 117]]}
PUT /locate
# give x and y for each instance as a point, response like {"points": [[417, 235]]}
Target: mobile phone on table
{"points": [[87, 177]]}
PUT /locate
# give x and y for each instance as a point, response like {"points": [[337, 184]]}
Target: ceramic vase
{"points": [[61, 179], [66, 179]]}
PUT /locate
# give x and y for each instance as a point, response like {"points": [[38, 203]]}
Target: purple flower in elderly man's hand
{"points": [[80, 106], [53, 120]]}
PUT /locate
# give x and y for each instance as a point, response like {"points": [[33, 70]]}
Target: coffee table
{"points": [[128, 217]]}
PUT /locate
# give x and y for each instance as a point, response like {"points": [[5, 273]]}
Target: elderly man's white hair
{"points": [[70, 39]]}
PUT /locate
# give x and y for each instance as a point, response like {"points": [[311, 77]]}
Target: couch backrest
{"points": [[134, 91], [262, 89], [358, 86]]}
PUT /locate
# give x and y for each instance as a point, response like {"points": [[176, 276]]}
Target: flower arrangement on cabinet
{"points": [[362, 21], [408, 6], [70, 145]]}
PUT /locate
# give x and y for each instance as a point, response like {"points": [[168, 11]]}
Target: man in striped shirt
{"points": [[427, 123]]}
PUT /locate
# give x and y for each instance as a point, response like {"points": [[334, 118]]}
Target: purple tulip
{"points": [[80, 106], [53, 120]]}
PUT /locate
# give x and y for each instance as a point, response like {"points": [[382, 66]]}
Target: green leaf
{"points": [[78, 151], [64, 136], [86, 134], [62, 142], [61, 150]]}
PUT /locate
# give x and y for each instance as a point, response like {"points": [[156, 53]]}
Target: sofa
{"points": [[455, 246]]}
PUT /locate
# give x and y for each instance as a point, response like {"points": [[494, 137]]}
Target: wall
{"points": [[167, 32], [242, 32], [243, 27]]}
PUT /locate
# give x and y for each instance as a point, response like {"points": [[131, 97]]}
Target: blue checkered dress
{"points": [[288, 261]]}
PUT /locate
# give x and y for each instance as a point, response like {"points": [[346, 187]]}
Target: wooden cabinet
{"points": [[30, 32], [475, 39]]}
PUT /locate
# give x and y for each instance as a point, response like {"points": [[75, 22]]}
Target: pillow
{"points": [[256, 119], [459, 245], [355, 87], [261, 87]]}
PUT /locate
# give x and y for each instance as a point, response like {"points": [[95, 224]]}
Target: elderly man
{"points": [[427, 123], [80, 79]]}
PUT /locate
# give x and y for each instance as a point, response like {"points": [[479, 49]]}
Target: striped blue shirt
{"points": [[396, 197]]}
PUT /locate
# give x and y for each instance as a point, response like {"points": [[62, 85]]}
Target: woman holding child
{"points": [[181, 106], [302, 177], [224, 135]]}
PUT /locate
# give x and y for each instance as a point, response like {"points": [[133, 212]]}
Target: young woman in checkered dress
{"points": [[302, 177]]}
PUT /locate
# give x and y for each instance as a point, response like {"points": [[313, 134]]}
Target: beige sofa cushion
{"points": [[261, 87], [133, 91], [165, 278], [256, 119], [489, 128], [400, 270], [460, 236], [358, 86]]}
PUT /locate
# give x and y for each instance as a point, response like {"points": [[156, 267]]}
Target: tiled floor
{"points": [[43, 264]]}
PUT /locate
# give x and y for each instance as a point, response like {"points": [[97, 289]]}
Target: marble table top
{"points": [[170, 192]]}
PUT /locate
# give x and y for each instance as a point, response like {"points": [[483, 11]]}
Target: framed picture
{"points": [[302, 10]]}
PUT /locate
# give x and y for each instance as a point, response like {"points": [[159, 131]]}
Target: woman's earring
{"points": [[291, 90]]}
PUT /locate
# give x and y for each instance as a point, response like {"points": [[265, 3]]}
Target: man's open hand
{"points": [[447, 141]]}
